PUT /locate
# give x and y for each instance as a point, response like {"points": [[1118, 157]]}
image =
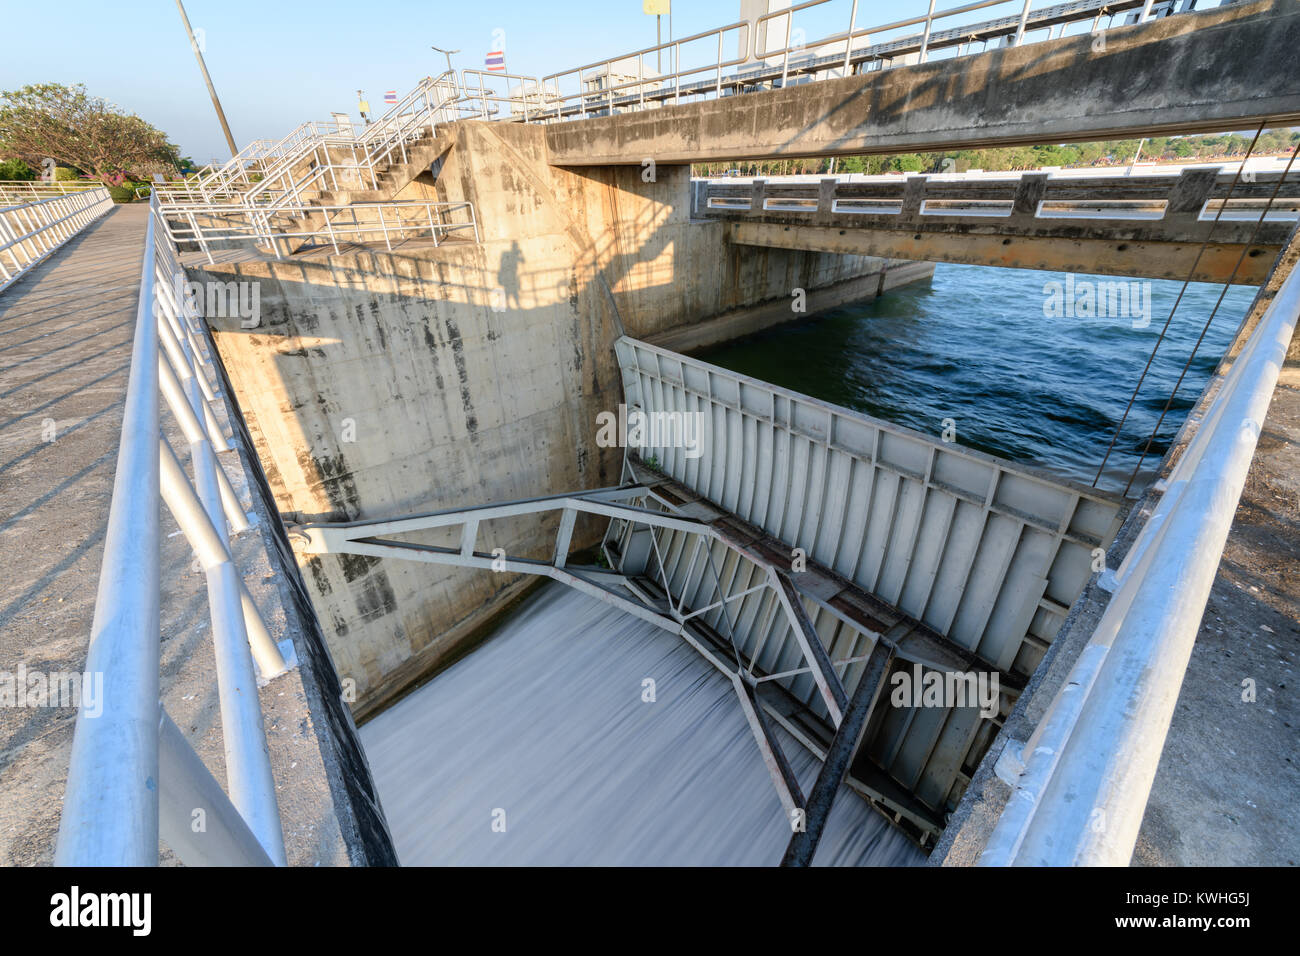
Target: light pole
{"points": [[198, 55], [447, 54]]}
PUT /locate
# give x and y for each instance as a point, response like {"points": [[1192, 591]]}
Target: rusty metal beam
{"points": [[803, 844]]}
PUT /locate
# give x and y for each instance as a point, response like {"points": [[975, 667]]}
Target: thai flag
{"points": [[496, 60], [390, 97]]}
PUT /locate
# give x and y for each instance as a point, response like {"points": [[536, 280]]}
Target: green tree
{"points": [[16, 169], [77, 129]]}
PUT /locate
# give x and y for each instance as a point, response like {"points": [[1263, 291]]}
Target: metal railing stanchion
{"points": [[248, 762]]}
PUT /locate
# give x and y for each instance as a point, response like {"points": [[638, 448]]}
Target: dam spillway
{"points": [[548, 721], [457, 299]]}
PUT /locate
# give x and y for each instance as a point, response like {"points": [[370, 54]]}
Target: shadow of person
{"points": [[508, 273]]}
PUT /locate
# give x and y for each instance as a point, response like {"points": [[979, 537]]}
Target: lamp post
{"points": [[203, 68], [447, 54]]}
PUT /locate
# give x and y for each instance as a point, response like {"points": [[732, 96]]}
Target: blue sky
{"points": [[276, 63]]}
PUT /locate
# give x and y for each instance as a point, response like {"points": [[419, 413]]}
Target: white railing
{"points": [[133, 777], [34, 228], [1083, 778], [320, 156], [813, 40], [19, 190], [511, 96], [206, 226]]}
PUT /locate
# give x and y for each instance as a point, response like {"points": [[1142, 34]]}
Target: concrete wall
{"points": [[384, 383]]}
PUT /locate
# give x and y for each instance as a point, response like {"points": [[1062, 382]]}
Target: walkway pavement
{"points": [[65, 333]]}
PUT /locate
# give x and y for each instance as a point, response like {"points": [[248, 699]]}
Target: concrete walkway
{"points": [[65, 335]]}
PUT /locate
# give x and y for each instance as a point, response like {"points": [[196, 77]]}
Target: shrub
{"points": [[16, 169], [122, 193], [64, 174]]}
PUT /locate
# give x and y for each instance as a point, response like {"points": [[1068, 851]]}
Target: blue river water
{"points": [[1020, 360]]}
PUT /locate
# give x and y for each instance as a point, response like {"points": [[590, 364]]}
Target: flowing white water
{"points": [[545, 727]]}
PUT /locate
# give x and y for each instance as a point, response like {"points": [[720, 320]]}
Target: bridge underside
{"points": [[1199, 72], [1217, 262]]}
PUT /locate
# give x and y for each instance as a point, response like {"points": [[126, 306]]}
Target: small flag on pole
{"points": [[390, 97], [496, 61]]}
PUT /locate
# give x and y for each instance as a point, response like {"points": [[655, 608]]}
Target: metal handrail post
{"points": [[925, 37], [330, 228], [785, 58], [266, 653], [248, 762], [177, 322], [677, 73], [848, 40], [1024, 18], [717, 83], [175, 392]]}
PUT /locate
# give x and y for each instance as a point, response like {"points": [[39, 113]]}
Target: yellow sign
{"points": [[656, 7]]}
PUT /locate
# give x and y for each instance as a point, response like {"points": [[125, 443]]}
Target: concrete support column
{"points": [[826, 199]]}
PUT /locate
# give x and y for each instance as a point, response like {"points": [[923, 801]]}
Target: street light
{"points": [[447, 54]]}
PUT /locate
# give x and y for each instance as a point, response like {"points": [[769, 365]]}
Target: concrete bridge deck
{"points": [[65, 349], [1198, 72]]}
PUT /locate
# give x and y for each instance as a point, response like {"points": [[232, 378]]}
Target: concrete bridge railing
{"points": [[1043, 220]]}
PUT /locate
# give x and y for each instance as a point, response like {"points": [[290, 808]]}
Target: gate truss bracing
{"points": [[688, 568], [369, 538]]}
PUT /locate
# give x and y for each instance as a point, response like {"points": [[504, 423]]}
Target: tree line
{"points": [[46, 124]]}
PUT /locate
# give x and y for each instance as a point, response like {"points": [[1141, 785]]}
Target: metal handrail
{"points": [[1083, 778], [204, 226], [605, 98], [12, 189], [532, 100], [776, 64], [32, 230], [380, 144], [132, 776]]}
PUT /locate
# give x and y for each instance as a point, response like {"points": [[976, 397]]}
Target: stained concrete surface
{"points": [[65, 332]]}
